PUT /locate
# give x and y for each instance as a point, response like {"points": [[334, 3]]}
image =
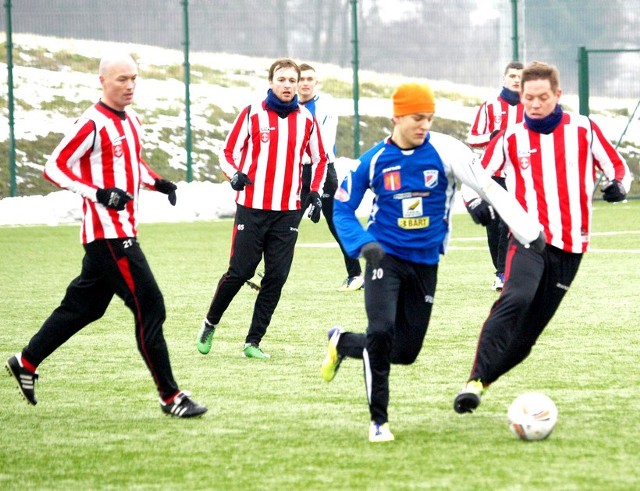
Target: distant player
{"points": [[320, 106], [494, 116]]}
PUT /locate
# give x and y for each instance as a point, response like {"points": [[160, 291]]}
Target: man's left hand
{"points": [[167, 187], [314, 204], [614, 192]]}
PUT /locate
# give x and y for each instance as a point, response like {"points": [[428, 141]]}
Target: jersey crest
{"points": [[431, 178], [117, 150]]}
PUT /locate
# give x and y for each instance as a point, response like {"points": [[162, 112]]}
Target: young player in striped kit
{"points": [[321, 108], [550, 159], [101, 160], [262, 157], [413, 177], [492, 117]]}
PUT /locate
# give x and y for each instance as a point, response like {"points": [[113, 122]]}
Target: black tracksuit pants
{"points": [[498, 237], [111, 267], [257, 232], [535, 286], [398, 305]]}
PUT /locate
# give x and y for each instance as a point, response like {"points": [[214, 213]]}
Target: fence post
{"points": [[12, 139], [187, 83], [514, 28], [356, 83], [583, 80]]}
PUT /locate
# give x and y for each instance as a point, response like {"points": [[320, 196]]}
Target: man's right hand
{"points": [[539, 244], [481, 211], [114, 198], [373, 253], [239, 181]]}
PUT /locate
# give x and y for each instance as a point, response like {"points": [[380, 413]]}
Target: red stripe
{"points": [[249, 142], [131, 184], [292, 129], [272, 158], [520, 187], [537, 175], [321, 168], [562, 186], [585, 198], [125, 270]]}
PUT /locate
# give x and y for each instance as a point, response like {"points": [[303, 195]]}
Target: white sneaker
{"points": [[380, 433], [498, 282], [352, 284]]}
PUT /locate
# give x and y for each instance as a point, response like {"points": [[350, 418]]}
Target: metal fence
{"points": [[460, 41]]}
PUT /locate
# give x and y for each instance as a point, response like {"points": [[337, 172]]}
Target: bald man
{"points": [[100, 159]]}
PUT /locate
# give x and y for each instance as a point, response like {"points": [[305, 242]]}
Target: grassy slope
{"points": [[164, 123], [275, 424]]}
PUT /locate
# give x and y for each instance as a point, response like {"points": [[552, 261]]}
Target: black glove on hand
{"points": [[614, 192], [330, 181], [373, 253], [168, 188], [481, 211], [114, 198], [240, 180], [539, 244], [314, 204]]}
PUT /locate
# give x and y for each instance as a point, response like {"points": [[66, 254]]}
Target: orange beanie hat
{"points": [[413, 98]]}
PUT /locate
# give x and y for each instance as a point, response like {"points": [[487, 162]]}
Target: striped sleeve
{"points": [[480, 132], [236, 145], [71, 154], [318, 157], [608, 160]]}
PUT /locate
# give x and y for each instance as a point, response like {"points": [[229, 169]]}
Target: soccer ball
{"points": [[532, 416]]}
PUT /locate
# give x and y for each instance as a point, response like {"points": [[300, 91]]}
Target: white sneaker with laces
{"points": [[352, 284], [498, 283], [380, 433]]}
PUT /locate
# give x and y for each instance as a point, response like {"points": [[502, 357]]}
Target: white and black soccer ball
{"points": [[532, 416]]}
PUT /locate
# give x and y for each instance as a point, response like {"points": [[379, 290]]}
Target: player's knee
{"points": [[404, 356], [378, 340]]}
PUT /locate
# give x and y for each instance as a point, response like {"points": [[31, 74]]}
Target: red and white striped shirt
{"points": [[102, 150], [270, 150], [553, 176], [493, 115]]}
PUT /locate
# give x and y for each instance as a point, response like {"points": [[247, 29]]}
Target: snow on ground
{"points": [[196, 201]]}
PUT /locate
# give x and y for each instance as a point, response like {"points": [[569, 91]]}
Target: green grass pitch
{"points": [[275, 424]]}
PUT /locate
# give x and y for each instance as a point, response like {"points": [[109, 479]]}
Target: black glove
{"points": [[614, 192], [168, 188], [481, 211], [114, 198], [330, 181], [539, 244], [314, 204], [373, 253], [240, 180]]}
